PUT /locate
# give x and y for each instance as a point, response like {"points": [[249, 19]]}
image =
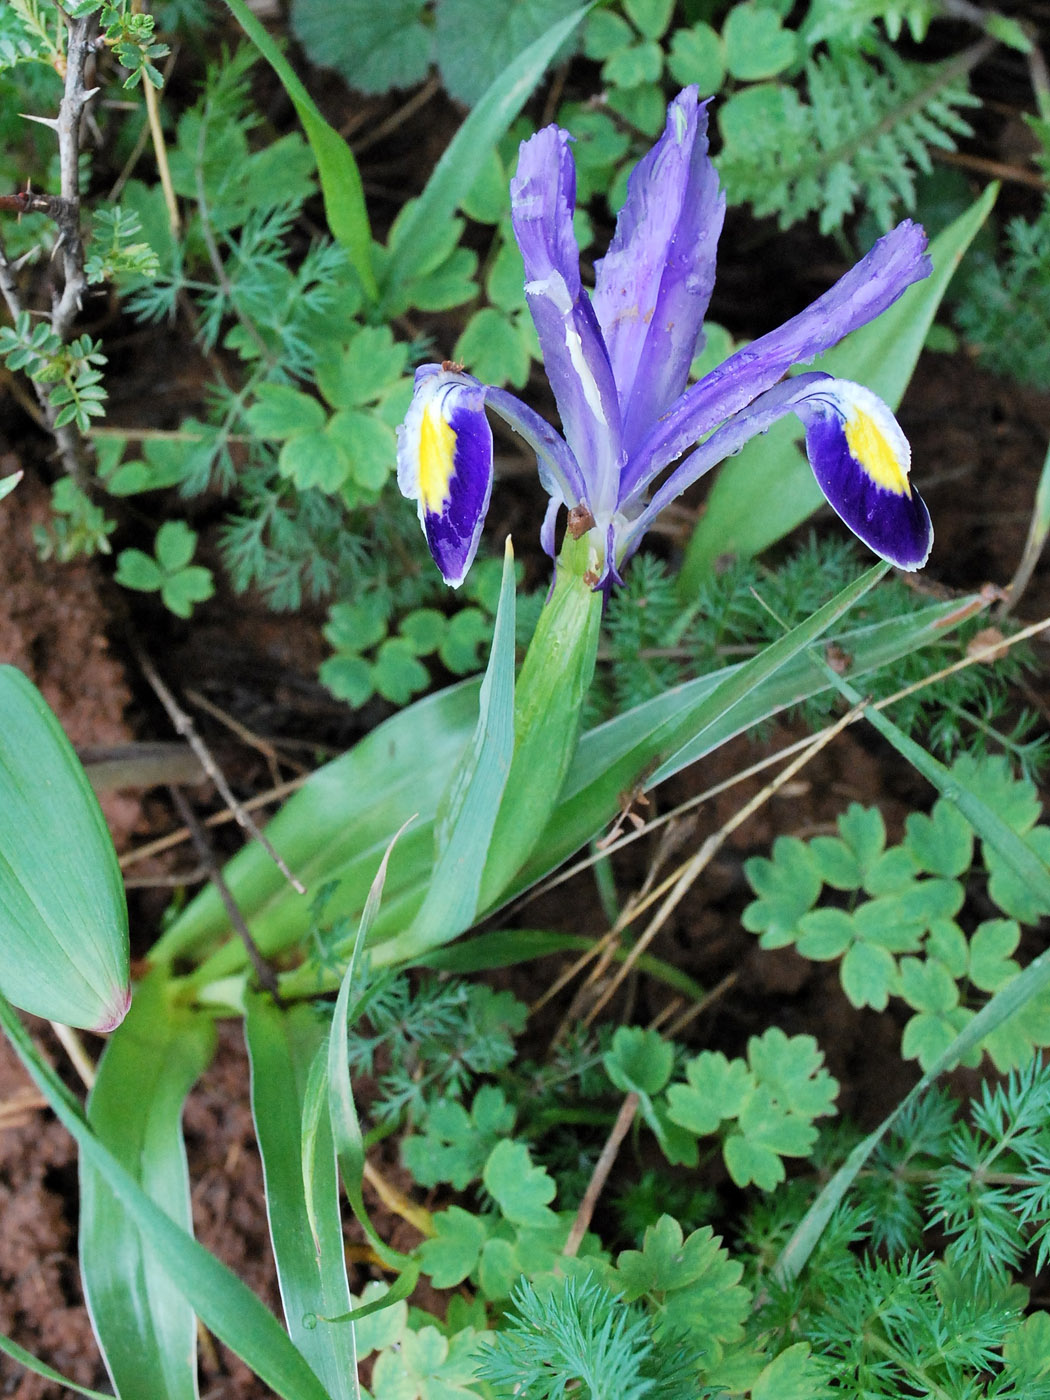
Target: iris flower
{"points": [[618, 363]]}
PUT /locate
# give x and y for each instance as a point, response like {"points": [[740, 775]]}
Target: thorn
{"points": [[89, 93], [52, 122]]}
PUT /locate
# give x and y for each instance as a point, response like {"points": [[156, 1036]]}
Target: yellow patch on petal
{"points": [[437, 447], [875, 454]]}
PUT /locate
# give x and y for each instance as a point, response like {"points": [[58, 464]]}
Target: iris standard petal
{"points": [[861, 460], [444, 463], [896, 261], [653, 286], [543, 196]]}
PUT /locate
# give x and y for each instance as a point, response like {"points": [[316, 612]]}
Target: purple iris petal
{"points": [[653, 286], [757, 418], [559, 471], [444, 462], [861, 461], [543, 196], [874, 284]]}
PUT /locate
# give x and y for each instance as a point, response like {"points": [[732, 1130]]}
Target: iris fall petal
{"points": [[861, 460], [444, 463]]}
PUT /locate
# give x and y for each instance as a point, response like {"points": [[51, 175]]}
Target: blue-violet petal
{"points": [[444, 463]]}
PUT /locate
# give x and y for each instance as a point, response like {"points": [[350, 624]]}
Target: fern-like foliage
{"points": [[1006, 311], [868, 125]]}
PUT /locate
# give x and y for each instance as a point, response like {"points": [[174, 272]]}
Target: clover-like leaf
{"points": [[757, 46], [716, 1089], [639, 1060], [991, 964], [787, 886], [941, 843], [691, 1284], [453, 1251], [792, 1068], [868, 975], [520, 1189]]}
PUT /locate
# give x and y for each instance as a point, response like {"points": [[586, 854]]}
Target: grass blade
{"points": [[457, 170], [307, 1238], [145, 1326], [474, 796], [341, 189], [222, 1302]]}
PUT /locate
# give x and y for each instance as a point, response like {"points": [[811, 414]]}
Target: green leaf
{"points": [[650, 17], [605, 32], [145, 1325], [476, 43], [472, 805], [768, 488], [365, 444], [991, 963], [453, 1253], [787, 886], [716, 1089], [454, 1145], [755, 44], [344, 200], [307, 1242], [825, 933], [792, 1068], [314, 459], [792, 1375], [175, 545], [137, 570], [693, 1283], [640, 1060], [39, 1368], [349, 678], [629, 68], [63, 918], [223, 1303], [930, 1035], [869, 975], [467, 631], [494, 348], [364, 370], [1012, 889], [454, 175], [280, 412], [836, 863], [488, 199], [520, 1189], [549, 700], [189, 586], [941, 843]]}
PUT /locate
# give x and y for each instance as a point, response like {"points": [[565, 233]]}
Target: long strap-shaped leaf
{"points": [[307, 1241], [341, 189], [223, 1303], [457, 170], [473, 803], [1034, 979], [338, 826], [145, 1325], [41, 1368]]}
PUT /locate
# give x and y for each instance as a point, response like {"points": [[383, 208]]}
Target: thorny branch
{"points": [[64, 209]]}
